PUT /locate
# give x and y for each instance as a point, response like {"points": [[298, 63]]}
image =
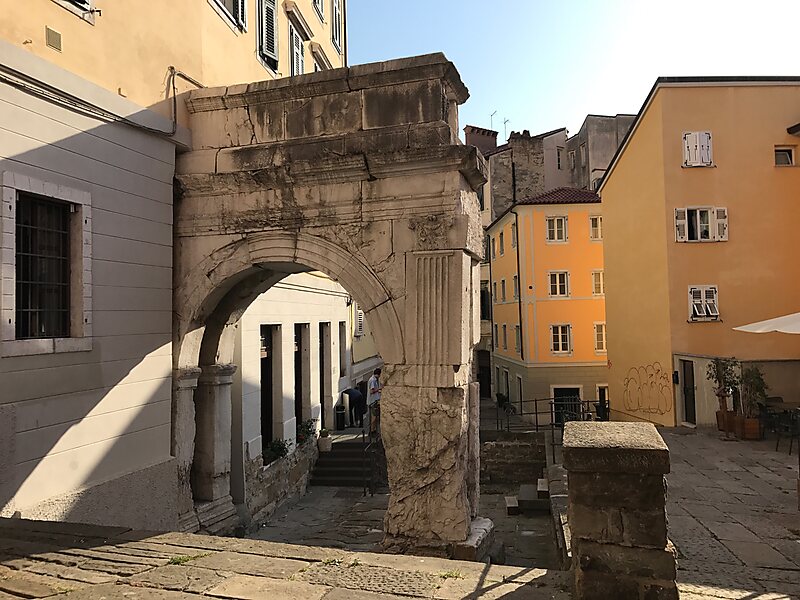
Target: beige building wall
{"points": [[86, 420], [636, 278], [197, 37]]}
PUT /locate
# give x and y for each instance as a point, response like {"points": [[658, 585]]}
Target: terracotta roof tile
{"points": [[563, 195]]}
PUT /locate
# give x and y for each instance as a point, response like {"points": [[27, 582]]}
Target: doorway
{"points": [[687, 377], [298, 373], [566, 404], [324, 372], [268, 335]]}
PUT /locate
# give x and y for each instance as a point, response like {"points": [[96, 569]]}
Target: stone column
{"points": [[183, 430], [426, 410], [617, 513], [211, 470]]}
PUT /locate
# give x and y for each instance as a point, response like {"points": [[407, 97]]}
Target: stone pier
{"points": [[617, 511]]}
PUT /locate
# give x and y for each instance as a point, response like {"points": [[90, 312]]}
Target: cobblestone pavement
{"points": [[344, 518], [85, 562], [733, 517]]}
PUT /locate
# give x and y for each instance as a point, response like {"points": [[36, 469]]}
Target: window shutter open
{"points": [[696, 307], [269, 29], [711, 304], [704, 147], [689, 148], [239, 9], [721, 220], [681, 225], [359, 328], [336, 25]]}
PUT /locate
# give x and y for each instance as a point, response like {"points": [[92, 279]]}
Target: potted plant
{"points": [[754, 391], [724, 374], [325, 441]]}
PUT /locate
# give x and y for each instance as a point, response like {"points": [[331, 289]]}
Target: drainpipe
{"points": [[519, 292]]}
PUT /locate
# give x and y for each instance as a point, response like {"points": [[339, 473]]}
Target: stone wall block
{"points": [[650, 563], [591, 585], [615, 447], [622, 490], [334, 114], [267, 122], [406, 103], [646, 528], [598, 524]]}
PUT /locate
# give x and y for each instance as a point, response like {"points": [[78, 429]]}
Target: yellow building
{"points": [[547, 286], [128, 47], [701, 211]]}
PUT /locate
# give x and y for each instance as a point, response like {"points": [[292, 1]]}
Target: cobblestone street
{"points": [[733, 517]]}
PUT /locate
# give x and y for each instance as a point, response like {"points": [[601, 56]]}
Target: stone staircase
{"points": [[344, 465]]}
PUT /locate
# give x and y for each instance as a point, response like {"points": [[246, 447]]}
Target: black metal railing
{"points": [[370, 438]]}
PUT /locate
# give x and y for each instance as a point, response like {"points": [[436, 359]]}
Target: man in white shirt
{"points": [[374, 388]]}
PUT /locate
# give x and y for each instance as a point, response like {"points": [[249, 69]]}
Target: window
{"points": [[317, 67], [268, 38], [517, 338], [505, 337], [596, 227], [42, 253], [494, 290], [559, 283], [599, 337], [481, 201], [513, 235], [572, 159], [502, 244], [496, 340], [697, 149], [560, 339], [503, 290], [583, 155], [556, 229], [598, 283], [596, 183], [298, 52], [82, 4], [234, 10], [336, 25], [516, 287], [559, 152], [708, 224], [703, 303], [319, 6], [486, 302], [784, 156], [494, 250], [497, 378]]}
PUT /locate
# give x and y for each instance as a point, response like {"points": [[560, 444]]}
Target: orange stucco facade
{"points": [[659, 349], [534, 361]]}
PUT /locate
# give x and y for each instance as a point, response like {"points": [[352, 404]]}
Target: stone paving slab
{"points": [[172, 566], [733, 518]]}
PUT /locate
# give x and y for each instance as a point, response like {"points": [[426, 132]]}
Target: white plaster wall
{"points": [[84, 418], [301, 298]]}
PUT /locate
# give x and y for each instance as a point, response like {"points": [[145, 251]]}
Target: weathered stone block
{"points": [[647, 563], [647, 528], [333, 114], [601, 586], [622, 490], [662, 590], [613, 447], [596, 524], [407, 103]]}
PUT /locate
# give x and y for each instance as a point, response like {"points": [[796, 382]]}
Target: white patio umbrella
{"points": [[785, 324]]}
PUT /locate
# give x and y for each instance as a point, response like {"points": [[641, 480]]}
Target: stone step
{"points": [[336, 481], [543, 489], [529, 500], [512, 505]]}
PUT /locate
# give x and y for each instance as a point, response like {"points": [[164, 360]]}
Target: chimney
{"points": [[483, 139]]}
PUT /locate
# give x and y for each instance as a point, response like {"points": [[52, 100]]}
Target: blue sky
{"points": [[544, 64]]}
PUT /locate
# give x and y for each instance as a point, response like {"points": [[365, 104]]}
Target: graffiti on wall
{"points": [[648, 389]]}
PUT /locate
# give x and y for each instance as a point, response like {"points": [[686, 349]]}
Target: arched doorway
{"points": [[371, 188]]}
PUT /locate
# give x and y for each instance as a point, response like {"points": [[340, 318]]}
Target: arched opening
{"points": [[215, 474]]}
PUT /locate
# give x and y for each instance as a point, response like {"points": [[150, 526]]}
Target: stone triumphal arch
{"points": [[357, 173]]}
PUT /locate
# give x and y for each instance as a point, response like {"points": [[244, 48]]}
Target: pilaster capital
{"points": [[186, 378], [217, 374]]}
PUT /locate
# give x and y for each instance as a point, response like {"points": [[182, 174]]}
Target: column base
{"points": [[188, 523], [218, 517], [475, 548]]}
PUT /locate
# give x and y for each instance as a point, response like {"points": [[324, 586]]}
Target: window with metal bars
{"points": [[42, 255]]}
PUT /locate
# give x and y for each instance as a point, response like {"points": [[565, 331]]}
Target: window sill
{"points": [[556, 241], [707, 320], [44, 346], [562, 354], [709, 166], [84, 15]]}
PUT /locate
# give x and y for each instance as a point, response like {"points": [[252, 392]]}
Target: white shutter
{"points": [[681, 225], [239, 9], [269, 29], [359, 328], [336, 25], [721, 222], [696, 307], [704, 148], [710, 301], [566, 228], [302, 47], [689, 148]]}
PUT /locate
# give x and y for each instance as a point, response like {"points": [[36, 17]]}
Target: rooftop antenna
{"points": [[505, 129], [491, 120]]}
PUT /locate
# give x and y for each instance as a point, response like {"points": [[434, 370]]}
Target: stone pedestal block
{"points": [[211, 469], [617, 514], [183, 431]]}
